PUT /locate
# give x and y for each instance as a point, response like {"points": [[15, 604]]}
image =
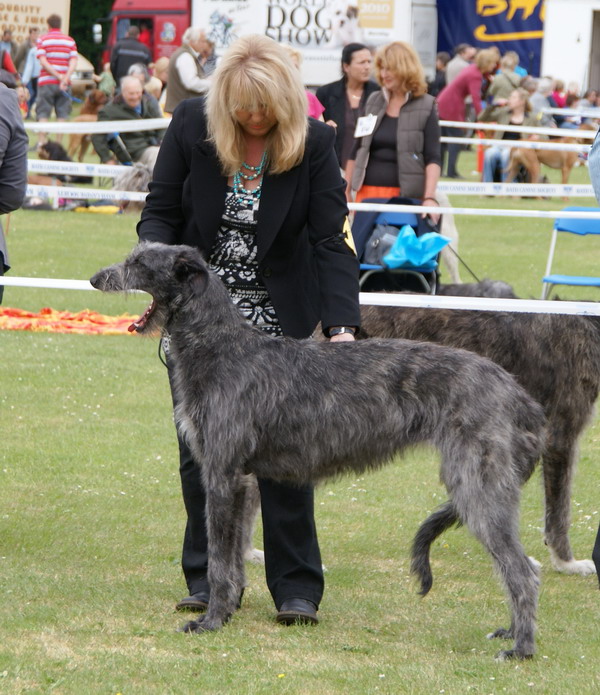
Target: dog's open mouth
{"points": [[141, 323]]}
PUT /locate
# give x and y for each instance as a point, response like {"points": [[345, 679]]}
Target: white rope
{"points": [[484, 212], [556, 132], [528, 306], [492, 189], [45, 283], [89, 127], [45, 166], [589, 112], [527, 144], [53, 192]]}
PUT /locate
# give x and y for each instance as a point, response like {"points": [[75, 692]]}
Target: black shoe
{"points": [[297, 611], [195, 602]]}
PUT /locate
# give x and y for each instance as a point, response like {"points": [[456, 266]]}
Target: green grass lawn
{"points": [[91, 518]]}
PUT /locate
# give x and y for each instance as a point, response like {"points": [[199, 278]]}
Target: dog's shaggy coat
{"points": [[300, 410], [556, 358]]}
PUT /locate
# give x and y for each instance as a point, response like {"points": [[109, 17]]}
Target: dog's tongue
{"points": [[140, 324]]}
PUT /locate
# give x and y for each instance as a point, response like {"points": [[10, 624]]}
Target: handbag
{"points": [[379, 244]]}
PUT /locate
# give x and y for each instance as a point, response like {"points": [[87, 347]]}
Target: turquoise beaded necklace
{"points": [[239, 190]]}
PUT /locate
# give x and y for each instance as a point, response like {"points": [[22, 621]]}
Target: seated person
{"points": [[516, 112], [139, 146]]}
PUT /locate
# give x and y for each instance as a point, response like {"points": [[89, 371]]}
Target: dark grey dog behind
{"points": [[301, 410], [556, 358]]}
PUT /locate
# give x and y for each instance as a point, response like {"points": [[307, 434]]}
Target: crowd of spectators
{"points": [[466, 85]]}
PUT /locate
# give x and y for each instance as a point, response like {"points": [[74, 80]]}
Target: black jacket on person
{"points": [[125, 53], [333, 97], [307, 266], [437, 84]]}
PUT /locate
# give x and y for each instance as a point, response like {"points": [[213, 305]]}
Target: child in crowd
{"points": [[106, 82]]}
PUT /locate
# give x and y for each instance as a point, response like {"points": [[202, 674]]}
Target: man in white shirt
{"points": [[463, 57], [188, 68]]}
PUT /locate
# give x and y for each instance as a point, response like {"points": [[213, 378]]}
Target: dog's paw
{"points": [[191, 626], [581, 567], [200, 625], [511, 655], [501, 633], [255, 556]]}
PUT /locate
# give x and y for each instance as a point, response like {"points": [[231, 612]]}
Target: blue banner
{"points": [[511, 25]]}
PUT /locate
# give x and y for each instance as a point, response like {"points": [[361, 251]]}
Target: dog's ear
{"points": [[188, 267]]}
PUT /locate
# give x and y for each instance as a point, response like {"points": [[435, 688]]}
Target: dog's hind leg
{"points": [[558, 466], [225, 505], [489, 507], [442, 519]]}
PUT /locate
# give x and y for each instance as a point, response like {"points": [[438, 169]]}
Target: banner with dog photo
{"points": [[319, 29]]}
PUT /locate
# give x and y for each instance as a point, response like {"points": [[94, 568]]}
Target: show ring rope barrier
{"points": [[132, 125], [528, 306], [43, 166]]}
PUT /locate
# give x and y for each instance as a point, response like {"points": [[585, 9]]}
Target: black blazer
{"points": [[333, 98], [309, 270]]}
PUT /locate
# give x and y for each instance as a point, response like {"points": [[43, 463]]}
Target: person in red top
{"points": [[451, 103], [145, 35], [57, 54]]}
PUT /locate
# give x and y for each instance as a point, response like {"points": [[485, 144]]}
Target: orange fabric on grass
{"points": [[52, 321]]}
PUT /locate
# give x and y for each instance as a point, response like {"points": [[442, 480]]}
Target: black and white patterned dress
{"points": [[233, 259]]}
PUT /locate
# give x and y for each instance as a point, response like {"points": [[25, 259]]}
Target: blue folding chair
{"points": [[377, 278], [581, 227]]}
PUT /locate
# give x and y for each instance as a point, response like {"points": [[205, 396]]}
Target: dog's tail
{"points": [[442, 519]]}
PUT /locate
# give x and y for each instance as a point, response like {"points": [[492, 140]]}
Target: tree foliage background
{"points": [[84, 14]]}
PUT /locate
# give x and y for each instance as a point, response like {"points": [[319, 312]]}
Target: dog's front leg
{"points": [[226, 576]]}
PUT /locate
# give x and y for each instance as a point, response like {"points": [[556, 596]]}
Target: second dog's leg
{"points": [[558, 466], [448, 228], [251, 510]]}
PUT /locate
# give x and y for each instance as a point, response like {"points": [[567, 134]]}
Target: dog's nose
{"points": [[97, 280]]}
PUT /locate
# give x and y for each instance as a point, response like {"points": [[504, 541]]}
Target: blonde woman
{"points": [[517, 111], [255, 185], [400, 153]]}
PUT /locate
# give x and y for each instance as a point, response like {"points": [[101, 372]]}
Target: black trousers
{"points": [[596, 553], [292, 556], [452, 149]]}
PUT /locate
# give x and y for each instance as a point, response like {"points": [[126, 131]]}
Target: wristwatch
{"points": [[338, 330]]}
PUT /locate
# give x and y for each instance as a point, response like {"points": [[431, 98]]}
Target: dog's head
{"points": [[52, 151], [172, 275], [94, 101]]}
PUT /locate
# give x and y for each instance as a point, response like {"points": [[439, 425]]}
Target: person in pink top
{"points": [[57, 54], [451, 103]]}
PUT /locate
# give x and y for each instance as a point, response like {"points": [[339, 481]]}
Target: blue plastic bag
{"points": [[411, 251]]}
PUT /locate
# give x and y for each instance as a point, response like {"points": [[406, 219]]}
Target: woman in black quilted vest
{"points": [[398, 151]]}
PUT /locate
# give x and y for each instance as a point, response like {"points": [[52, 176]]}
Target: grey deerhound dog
{"points": [[556, 358], [300, 410]]}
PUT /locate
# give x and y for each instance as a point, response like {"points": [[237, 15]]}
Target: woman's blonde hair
{"points": [[257, 73], [486, 60], [402, 61], [524, 96]]}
